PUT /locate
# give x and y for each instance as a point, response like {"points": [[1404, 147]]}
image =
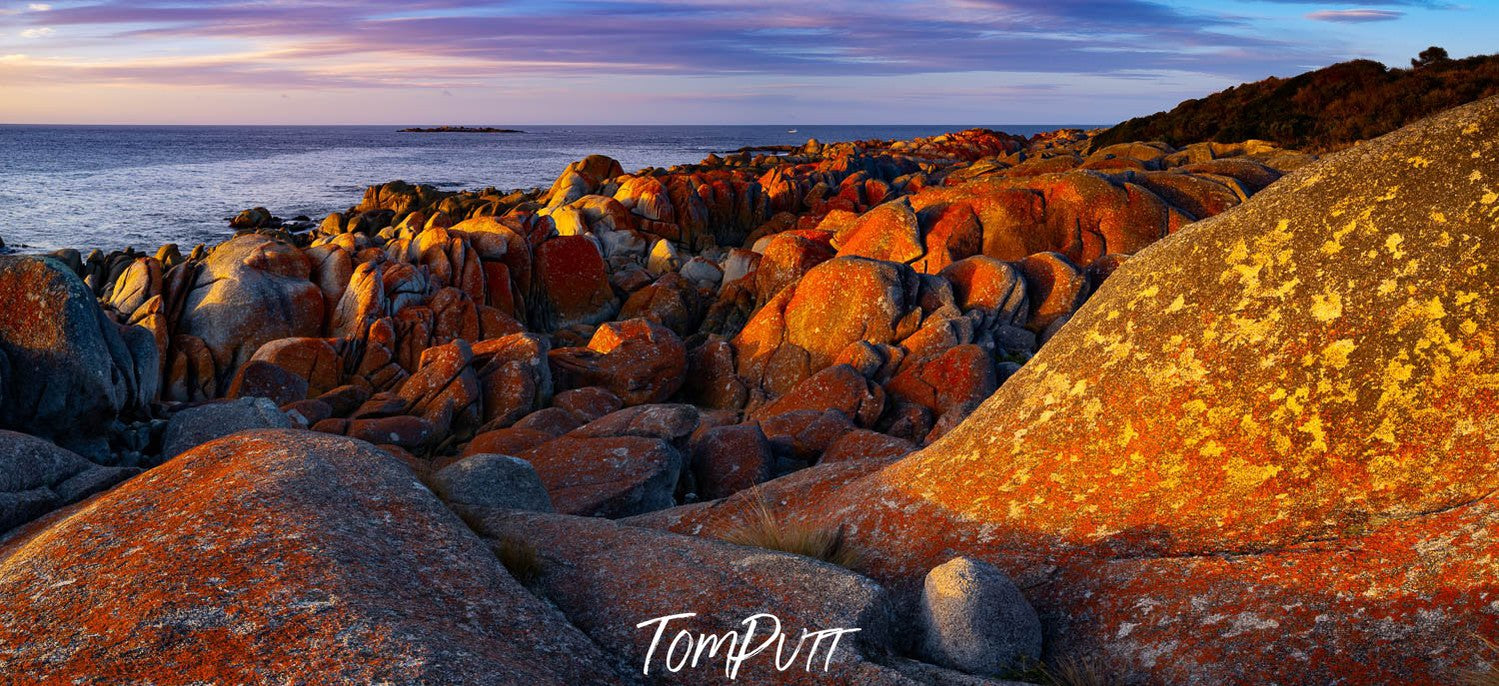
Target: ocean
{"points": [[111, 187]]}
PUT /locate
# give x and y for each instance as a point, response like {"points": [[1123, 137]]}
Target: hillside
{"points": [[1323, 110]]}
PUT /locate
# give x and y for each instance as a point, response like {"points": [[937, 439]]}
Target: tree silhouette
{"points": [[1430, 56]]}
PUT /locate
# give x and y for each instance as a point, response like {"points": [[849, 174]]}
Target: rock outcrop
{"points": [[269, 556], [1268, 435]]}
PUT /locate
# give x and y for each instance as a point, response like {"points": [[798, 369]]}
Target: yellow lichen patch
{"points": [[1389, 194], [1490, 198], [1245, 475], [1393, 388], [1327, 306], [1313, 427], [1439, 217], [1335, 355], [1418, 162], [1392, 244], [1176, 304]]}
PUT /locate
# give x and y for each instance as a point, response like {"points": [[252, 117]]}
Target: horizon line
{"points": [[1062, 125]]}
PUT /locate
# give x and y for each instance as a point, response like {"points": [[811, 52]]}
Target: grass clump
{"points": [[520, 559], [1066, 671], [1487, 676], [765, 530]]}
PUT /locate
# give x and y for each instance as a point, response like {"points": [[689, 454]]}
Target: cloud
{"points": [[1359, 16], [39, 7], [39, 32], [705, 37], [1428, 4]]}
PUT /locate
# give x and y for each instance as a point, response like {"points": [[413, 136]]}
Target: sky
{"points": [[514, 62]]}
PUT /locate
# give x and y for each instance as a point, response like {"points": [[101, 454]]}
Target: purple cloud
{"points": [[1359, 16], [490, 40]]}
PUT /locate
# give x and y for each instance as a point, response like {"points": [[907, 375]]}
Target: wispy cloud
{"points": [[1359, 16], [39, 32], [698, 37]]}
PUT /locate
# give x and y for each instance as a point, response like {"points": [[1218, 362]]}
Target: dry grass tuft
{"points": [[520, 558], [1071, 671], [765, 530], [1487, 676], [1065, 671]]}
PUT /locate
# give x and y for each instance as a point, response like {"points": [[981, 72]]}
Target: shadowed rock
{"points": [[67, 370]]}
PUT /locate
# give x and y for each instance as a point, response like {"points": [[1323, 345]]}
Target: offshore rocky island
{"points": [[1040, 410]]}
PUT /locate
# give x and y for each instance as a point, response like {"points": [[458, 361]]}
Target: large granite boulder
{"points": [[273, 557], [251, 290], [68, 371], [1264, 451]]}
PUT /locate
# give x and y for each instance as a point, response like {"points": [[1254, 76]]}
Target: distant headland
{"points": [[459, 129]]}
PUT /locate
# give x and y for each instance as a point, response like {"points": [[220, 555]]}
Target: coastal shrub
{"points": [[764, 530], [1323, 110]]}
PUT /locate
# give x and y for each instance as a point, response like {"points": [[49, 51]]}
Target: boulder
{"points": [[584, 177], [508, 441], [614, 476], [588, 403], [889, 232], [572, 284], [804, 327], [994, 288], [318, 362], [198, 425], [274, 556], [673, 423], [514, 377], [490, 480], [729, 459], [839, 387], [862, 444], [787, 257], [1055, 287], [37, 477], [638, 360], [261, 379], [974, 619], [961, 375], [67, 370], [445, 390], [251, 290]]}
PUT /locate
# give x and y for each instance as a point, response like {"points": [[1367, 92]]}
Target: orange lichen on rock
{"points": [[1271, 435], [274, 556]]}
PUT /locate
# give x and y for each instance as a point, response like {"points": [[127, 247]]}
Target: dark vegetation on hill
{"points": [[1323, 110]]}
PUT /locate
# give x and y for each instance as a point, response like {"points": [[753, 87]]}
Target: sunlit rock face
{"points": [[1271, 434]]}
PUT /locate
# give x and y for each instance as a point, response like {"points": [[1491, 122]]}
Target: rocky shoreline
{"points": [[1131, 410]]}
